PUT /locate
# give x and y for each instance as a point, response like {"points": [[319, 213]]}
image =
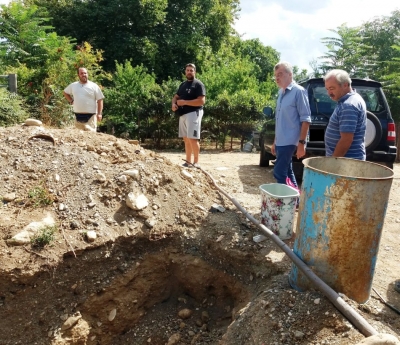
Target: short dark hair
{"points": [[191, 65]]}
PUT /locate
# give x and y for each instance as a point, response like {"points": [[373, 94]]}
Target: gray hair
{"points": [[286, 65], [340, 75]]}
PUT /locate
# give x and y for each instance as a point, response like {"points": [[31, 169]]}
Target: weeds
{"points": [[44, 236], [40, 196]]}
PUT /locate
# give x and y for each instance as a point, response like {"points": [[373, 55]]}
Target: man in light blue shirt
{"points": [[293, 117], [345, 133]]}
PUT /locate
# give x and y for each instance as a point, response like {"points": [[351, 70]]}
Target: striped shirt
{"points": [[349, 116]]}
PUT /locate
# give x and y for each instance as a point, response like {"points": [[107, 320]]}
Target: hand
{"points": [[99, 117], [174, 107], [301, 151], [273, 149]]}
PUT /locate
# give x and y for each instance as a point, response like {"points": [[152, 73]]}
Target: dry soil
{"points": [[174, 271]]}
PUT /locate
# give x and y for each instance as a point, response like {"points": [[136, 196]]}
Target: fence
{"points": [[9, 81]]}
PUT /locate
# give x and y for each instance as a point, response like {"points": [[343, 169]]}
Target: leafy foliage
{"points": [[12, 109], [44, 236], [40, 196], [45, 62]]}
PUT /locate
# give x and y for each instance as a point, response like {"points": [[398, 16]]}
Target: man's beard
{"points": [[190, 77]]}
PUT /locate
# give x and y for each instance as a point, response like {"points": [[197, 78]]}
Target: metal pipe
{"points": [[356, 319]]}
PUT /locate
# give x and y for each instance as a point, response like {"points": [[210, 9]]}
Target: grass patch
{"points": [[44, 236], [40, 196]]}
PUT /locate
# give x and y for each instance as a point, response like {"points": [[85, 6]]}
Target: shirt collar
{"points": [[346, 96], [289, 87]]}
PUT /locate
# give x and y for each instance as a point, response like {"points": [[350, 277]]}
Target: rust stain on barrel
{"points": [[349, 245]]}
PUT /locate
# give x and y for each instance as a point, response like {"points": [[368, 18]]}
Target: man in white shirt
{"points": [[87, 100]]}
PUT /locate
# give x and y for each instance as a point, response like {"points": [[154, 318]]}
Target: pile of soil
{"points": [[140, 254]]}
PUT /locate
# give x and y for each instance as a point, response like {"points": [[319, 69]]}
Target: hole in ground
{"points": [[147, 284]]}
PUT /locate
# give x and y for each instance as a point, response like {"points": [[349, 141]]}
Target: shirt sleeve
{"points": [[303, 106], [348, 119]]}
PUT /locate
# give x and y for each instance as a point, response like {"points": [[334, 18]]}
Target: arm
{"points": [[301, 148], [174, 100], [343, 144], [99, 109], [68, 97], [199, 101]]}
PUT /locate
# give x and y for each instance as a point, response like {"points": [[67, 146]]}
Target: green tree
{"points": [[45, 62], [162, 35], [348, 52]]}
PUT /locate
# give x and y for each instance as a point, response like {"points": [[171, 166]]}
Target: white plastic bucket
{"points": [[278, 208]]}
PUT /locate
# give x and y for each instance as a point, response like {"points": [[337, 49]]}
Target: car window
{"points": [[372, 97], [320, 102]]}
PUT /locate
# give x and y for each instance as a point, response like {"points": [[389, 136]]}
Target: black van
{"points": [[380, 134]]}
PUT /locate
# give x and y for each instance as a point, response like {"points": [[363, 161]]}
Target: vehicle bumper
{"points": [[383, 156]]}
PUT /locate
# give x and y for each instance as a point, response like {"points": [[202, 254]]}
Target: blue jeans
{"points": [[283, 165]]}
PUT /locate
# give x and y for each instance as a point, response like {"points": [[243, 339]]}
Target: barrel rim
{"points": [[307, 165]]}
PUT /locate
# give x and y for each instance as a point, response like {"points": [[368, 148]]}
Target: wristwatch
{"points": [[302, 142]]}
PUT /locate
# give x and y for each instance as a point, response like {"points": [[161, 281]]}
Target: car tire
{"points": [[373, 133], [264, 159]]}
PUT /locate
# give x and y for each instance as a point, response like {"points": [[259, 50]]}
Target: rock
{"points": [[112, 314], [91, 235], [100, 177], [25, 236], [123, 179], [151, 222], [185, 313], [380, 339], [317, 301], [298, 334], [132, 173], [136, 202], [71, 321], [201, 208], [218, 207], [9, 197], [204, 316], [187, 175], [174, 339], [32, 122]]}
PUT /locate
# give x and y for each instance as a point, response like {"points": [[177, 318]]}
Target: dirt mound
{"points": [[134, 253]]}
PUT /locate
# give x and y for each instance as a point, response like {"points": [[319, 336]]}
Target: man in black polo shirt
{"points": [[188, 103]]}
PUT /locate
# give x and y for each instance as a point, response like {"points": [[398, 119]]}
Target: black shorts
{"points": [[83, 117]]}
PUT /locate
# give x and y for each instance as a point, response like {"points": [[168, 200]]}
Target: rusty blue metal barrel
{"points": [[341, 214]]}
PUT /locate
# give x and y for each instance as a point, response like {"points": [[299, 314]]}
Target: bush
{"points": [[12, 109]]}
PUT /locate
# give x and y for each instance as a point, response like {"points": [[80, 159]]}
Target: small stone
{"points": [[112, 314], [151, 222], [61, 207], [298, 334], [91, 235], [174, 339], [317, 301], [74, 224], [100, 177], [185, 313], [9, 197], [71, 321], [123, 179]]}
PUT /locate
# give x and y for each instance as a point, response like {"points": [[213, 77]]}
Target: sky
{"points": [[295, 27]]}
